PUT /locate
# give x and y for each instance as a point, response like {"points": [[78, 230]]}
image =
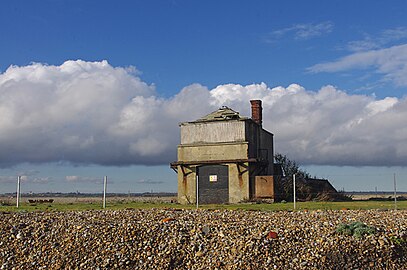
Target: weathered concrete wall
{"points": [[222, 141], [213, 132], [187, 185], [220, 151], [238, 185]]}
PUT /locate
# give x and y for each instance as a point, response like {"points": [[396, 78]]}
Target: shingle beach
{"points": [[201, 239]]}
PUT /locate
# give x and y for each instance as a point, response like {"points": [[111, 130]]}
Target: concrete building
{"points": [[225, 158]]}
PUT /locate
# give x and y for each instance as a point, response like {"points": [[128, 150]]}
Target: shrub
{"points": [[357, 229]]}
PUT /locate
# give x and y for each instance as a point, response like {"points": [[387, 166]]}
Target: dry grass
{"points": [[95, 203]]}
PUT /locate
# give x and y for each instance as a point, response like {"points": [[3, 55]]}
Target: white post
{"points": [[18, 191], [294, 190], [395, 192], [197, 193], [104, 191]]}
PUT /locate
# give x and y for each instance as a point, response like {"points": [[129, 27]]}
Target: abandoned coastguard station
{"points": [[224, 157]]}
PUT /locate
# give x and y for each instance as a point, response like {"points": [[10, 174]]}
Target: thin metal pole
{"points": [[294, 190], [395, 192], [104, 191], [197, 193], [18, 191]]}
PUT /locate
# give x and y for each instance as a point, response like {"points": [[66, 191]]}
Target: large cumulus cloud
{"points": [[93, 113], [89, 112], [328, 127]]}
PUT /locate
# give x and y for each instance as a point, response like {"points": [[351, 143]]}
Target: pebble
{"points": [[203, 239]]}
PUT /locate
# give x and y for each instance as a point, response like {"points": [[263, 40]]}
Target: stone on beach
{"points": [[204, 239]]}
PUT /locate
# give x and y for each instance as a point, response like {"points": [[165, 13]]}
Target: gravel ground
{"points": [[203, 239]]}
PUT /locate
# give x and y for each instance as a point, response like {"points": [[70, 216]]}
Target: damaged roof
{"points": [[222, 114]]}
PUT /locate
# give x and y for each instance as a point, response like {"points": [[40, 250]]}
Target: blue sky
{"points": [[93, 88]]}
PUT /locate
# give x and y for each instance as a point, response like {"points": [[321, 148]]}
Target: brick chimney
{"points": [[257, 114]]}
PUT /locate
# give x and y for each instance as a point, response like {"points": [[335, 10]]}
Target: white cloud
{"points": [[384, 53], [305, 31], [7, 179], [83, 179], [301, 31], [28, 173], [384, 38], [149, 182], [30, 176], [42, 180], [81, 112], [390, 62], [328, 126], [72, 178], [93, 113], [363, 45]]}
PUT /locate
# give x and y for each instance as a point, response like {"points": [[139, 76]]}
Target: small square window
{"points": [[213, 178]]}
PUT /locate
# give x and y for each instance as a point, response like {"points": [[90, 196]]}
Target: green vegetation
{"points": [[357, 229], [290, 167], [304, 189], [398, 241], [116, 205]]}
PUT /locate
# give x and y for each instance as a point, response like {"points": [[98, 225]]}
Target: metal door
{"points": [[213, 184]]}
